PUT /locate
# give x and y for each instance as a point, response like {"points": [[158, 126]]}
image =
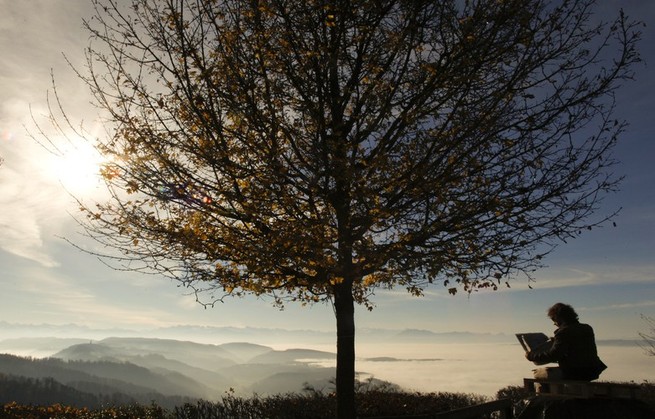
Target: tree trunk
{"points": [[344, 309]]}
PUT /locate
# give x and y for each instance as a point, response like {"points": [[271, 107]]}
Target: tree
{"points": [[317, 151]]}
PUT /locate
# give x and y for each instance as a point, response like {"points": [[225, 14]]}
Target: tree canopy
{"points": [[319, 150]]}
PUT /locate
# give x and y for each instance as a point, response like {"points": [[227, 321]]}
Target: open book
{"points": [[535, 342]]}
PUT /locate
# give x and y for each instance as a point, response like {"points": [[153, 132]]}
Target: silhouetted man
{"points": [[573, 348]]}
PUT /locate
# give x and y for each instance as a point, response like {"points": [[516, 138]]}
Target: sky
{"points": [[608, 274]]}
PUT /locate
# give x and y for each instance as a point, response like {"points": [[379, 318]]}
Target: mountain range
{"points": [[227, 334], [145, 369], [141, 368]]}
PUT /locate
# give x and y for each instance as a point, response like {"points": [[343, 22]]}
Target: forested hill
{"points": [[169, 372], [47, 391], [48, 381]]}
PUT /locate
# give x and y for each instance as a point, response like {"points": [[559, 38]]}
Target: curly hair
{"points": [[562, 313]]}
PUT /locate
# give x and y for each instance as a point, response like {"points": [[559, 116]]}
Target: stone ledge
{"points": [[541, 407], [581, 389]]}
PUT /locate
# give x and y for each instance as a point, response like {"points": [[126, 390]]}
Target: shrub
{"points": [[57, 411], [519, 396], [318, 405]]}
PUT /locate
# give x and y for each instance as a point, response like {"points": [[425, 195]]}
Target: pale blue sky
{"points": [[608, 274]]}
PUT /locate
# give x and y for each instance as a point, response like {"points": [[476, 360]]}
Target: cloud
{"points": [[35, 206], [598, 274], [631, 305], [24, 204], [101, 300], [33, 203], [551, 279]]}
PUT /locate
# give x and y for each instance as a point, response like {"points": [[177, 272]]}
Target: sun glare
{"points": [[76, 167]]}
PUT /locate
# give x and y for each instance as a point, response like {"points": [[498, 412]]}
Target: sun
{"points": [[76, 166]]}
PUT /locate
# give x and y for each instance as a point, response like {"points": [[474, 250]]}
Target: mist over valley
{"points": [[248, 361]]}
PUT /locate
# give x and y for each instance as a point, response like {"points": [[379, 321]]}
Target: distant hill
{"points": [[284, 382], [37, 346], [164, 368], [226, 334], [244, 351], [87, 384], [45, 391], [204, 356], [89, 352], [211, 334]]}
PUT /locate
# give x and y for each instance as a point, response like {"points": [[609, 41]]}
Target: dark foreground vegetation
{"points": [[306, 405], [309, 404]]}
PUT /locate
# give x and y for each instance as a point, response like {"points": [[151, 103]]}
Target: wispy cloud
{"points": [[87, 300], [545, 279], [598, 274], [26, 206], [33, 202], [631, 305]]}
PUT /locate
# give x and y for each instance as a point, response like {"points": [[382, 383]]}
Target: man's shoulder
{"points": [[584, 326], [573, 328]]}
